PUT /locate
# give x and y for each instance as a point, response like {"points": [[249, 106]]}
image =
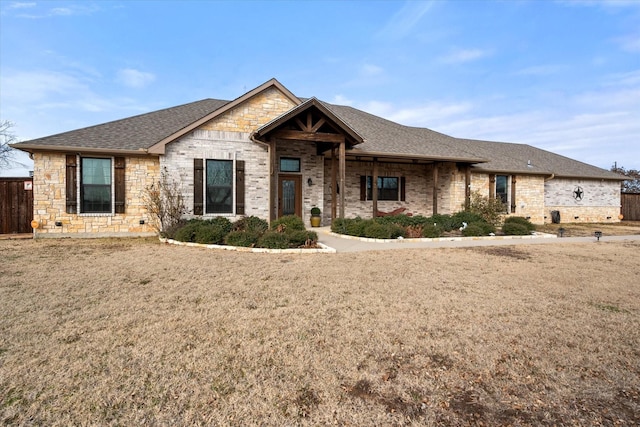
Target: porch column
{"points": [[343, 165], [334, 182], [273, 184], [435, 187], [374, 187]]}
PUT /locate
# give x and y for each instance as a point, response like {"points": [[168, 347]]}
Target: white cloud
{"points": [[541, 70], [134, 78], [464, 55], [630, 43], [405, 19], [370, 70], [22, 5], [340, 99]]}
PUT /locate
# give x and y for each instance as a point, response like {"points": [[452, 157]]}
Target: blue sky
{"points": [[563, 76]]}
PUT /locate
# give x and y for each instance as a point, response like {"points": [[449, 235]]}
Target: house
{"points": [[270, 153]]}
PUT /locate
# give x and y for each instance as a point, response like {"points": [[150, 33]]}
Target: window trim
{"points": [[233, 186], [79, 189], [298, 159], [399, 189]]}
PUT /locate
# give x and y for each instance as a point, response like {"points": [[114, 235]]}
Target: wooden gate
{"points": [[16, 205], [630, 206]]}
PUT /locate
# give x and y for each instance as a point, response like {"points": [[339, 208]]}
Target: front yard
{"points": [[134, 332]]}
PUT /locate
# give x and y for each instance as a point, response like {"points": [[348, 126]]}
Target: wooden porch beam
{"points": [[334, 182], [272, 179], [309, 136], [301, 125], [318, 125], [467, 188]]}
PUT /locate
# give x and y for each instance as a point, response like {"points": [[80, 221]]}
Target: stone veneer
{"points": [[600, 201], [227, 137], [49, 200]]}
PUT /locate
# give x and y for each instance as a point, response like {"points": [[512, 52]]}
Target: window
{"points": [[502, 188], [389, 188], [289, 164], [95, 185], [219, 186], [99, 185]]}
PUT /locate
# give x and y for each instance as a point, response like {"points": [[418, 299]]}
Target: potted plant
{"points": [[316, 219]]}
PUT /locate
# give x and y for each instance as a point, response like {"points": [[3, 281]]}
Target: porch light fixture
{"points": [[142, 222], [309, 182], [561, 231], [58, 223], [598, 235]]}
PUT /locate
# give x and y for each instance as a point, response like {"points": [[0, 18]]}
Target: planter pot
{"points": [[315, 221]]}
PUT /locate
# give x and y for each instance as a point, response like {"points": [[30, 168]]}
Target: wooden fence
{"points": [[16, 205], [630, 206]]}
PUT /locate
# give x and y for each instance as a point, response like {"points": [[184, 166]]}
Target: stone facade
{"points": [[599, 201], [49, 203]]}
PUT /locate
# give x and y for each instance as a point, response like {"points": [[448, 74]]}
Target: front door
{"points": [[289, 195]]}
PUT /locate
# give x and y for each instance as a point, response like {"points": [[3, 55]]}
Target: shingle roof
{"points": [[381, 137], [133, 133]]}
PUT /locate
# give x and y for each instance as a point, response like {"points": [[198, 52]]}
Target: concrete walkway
{"points": [[352, 244]]}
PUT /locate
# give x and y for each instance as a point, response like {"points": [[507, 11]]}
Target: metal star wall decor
{"points": [[578, 193]]}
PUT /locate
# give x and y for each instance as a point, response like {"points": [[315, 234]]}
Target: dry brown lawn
{"points": [[135, 332]]}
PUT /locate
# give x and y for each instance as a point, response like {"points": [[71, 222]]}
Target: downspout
{"points": [[553, 175]]}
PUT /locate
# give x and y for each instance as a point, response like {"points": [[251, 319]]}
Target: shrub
{"points": [[520, 220], [213, 231], [445, 222], [474, 229], [251, 223], [432, 231], [378, 230], [349, 226], [299, 238], [464, 216], [187, 232], [166, 205], [315, 211], [246, 238], [491, 209], [403, 220], [515, 229], [273, 240], [288, 222]]}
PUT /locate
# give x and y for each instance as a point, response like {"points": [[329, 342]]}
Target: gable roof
{"points": [[133, 134], [374, 136]]}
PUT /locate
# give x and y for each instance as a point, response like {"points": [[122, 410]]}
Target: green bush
{"points": [[350, 226], [273, 240], [515, 229], [464, 216], [247, 238], [403, 220], [474, 229], [520, 220], [213, 231], [298, 238], [432, 231], [443, 221], [288, 222], [315, 211], [378, 230], [187, 232], [251, 223]]}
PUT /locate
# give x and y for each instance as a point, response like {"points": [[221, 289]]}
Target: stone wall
{"points": [[49, 204], [600, 201], [529, 194]]}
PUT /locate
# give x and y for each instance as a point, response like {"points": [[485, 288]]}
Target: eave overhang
{"points": [[32, 148]]}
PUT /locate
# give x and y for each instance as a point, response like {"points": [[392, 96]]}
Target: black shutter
{"points": [[513, 194], [72, 184], [239, 187], [403, 183], [119, 168], [198, 172], [363, 188]]}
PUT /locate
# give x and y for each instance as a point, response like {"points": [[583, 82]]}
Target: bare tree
{"points": [[632, 184], [6, 138], [165, 202]]}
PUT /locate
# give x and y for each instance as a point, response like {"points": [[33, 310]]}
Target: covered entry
{"points": [[297, 142]]}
